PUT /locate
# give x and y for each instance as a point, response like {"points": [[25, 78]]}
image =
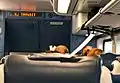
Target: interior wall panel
{"points": [[54, 32], [76, 40], [21, 35]]}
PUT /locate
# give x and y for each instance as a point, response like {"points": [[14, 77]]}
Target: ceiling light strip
{"points": [[63, 6]]}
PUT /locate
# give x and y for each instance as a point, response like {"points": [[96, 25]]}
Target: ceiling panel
{"points": [[87, 5], [44, 6], [35, 5]]}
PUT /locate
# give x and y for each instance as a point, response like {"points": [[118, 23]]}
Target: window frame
{"points": [[104, 41]]}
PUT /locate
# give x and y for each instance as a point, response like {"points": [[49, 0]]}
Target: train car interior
{"points": [[68, 41]]}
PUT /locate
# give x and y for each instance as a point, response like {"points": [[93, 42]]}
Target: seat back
{"points": [[116, 71], [108, 58], [19, 69], [1, 73]]}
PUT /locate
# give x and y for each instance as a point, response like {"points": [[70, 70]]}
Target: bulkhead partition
{"points": [[36, 33]]}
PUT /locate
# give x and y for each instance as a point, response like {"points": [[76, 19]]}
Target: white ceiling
{"points": [[87, 5], [38, 5], [44, 5]]}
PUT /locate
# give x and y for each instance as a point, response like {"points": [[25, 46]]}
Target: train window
{"points": [[107, 45]]}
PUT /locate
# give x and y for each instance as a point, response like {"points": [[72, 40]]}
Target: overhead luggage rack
{"points": [[108, 16]]}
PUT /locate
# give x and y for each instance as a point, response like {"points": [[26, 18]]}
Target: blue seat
{"points": [[116, 78], [19, 69], [108, 58]]}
